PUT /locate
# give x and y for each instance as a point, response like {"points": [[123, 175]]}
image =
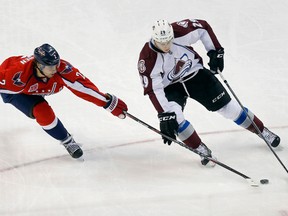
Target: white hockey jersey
{"points": [[157, 69]]}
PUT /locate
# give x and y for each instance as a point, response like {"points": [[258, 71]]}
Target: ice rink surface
{"points": [[127, 170]]}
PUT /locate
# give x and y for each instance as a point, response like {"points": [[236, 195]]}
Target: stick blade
{"points": [[252, 183]]}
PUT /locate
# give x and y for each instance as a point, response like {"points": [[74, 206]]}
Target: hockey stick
{"points": [[248, 179], [253, 123]]}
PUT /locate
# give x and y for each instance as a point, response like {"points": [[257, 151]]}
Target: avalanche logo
{"points": [[17, 80], [181, 68]]}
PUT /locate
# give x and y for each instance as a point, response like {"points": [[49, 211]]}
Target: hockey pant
{"points": [[214, 97]]}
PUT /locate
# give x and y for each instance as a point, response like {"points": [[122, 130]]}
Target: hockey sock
{"points": [[46, 118], [56, 130], [245, 122], [234, 112], [188, 135]]}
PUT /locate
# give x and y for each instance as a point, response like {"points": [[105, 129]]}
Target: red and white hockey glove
{"points": [[116, 106]]}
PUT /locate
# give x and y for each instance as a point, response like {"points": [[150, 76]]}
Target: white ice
{"points": [[127, 170]]}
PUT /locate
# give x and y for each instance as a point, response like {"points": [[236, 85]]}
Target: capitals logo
{"points": [[68, 68], [17, 79]]}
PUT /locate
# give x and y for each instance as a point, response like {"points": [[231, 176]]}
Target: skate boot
{"points": [[202, 148], [72, 147], [270, 137]]}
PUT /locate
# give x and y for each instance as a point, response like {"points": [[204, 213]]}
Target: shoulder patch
{"points": [[141, 66], [67, 69]]}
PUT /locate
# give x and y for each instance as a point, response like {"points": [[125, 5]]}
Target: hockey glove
{"points": [[116, 106], [216, 60], [168, 126]]}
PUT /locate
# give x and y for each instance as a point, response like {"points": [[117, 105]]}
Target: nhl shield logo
{"points": [[33, 88]]}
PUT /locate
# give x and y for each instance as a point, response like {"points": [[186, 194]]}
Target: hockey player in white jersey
{"points": [[171, 71]]}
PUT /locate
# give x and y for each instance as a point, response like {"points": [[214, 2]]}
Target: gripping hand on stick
{"points": [[116, 106], [168, 126], [216, 61]]}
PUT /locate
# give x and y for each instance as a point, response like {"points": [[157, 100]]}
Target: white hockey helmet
{"points": [[162, 31]]}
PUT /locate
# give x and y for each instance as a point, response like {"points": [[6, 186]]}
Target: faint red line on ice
{"points": [[134, 142], [29, 163], [61, 156], [128, 144]]}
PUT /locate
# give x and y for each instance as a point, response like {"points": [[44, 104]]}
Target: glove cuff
{"points": [[216, 51], [112, 103]]}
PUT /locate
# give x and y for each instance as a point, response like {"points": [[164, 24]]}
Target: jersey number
{"points": [[196, 24]]}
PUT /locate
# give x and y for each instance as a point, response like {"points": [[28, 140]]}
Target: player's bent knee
{"points": [[44, 114], [231, 110]]}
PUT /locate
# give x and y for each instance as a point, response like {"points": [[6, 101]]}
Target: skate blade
{"points": [[80, 159]]}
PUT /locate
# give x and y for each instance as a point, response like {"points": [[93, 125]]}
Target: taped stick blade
{"points": [[252, 182]]}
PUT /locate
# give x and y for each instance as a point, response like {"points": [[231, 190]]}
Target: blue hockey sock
{"points": [[58, 132]]}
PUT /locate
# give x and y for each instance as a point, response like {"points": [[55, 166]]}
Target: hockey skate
{"points": [[72, 147], [202, 148], [270, 137]]}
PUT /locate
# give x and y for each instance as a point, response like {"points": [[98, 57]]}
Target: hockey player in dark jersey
{"points": [[171, 71], [26, 80]]}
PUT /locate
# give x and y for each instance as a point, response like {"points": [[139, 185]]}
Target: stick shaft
{"points": [[253, 123], [185, 146]]}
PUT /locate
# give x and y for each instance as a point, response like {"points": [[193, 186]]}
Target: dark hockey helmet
{"points": [[46, 55]]}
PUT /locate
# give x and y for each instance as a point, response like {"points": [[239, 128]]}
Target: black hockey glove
{"points": [[216, 60], [168, 126]]}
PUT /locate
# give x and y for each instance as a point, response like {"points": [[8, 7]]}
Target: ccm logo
{"points": [[167, 118], [218, 97], [220, 55]]}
